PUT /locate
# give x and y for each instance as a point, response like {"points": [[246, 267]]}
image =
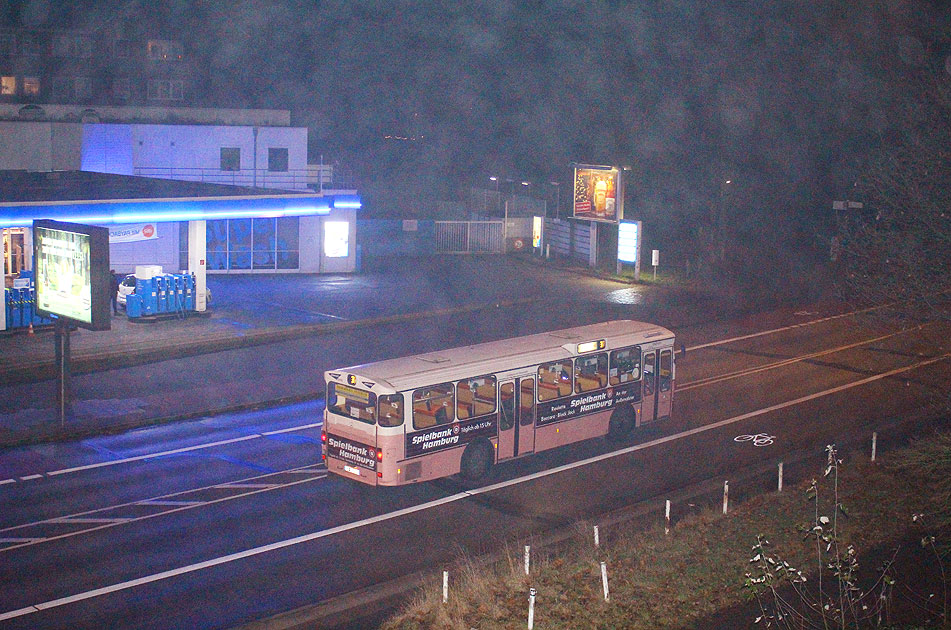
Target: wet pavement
{"points": [[234, 356]]}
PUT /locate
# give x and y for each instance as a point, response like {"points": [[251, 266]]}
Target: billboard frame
{"points": [[583, 196], [99, 280]]}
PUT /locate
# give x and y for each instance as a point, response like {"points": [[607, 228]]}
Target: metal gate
{"points": [[469, 237]]}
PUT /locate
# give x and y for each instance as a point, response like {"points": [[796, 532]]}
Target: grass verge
{"points": [[688, 577]]}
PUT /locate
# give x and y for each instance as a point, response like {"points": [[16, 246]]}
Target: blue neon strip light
{"points": [[113, 212]]}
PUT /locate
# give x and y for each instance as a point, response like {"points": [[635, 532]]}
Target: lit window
{"points": [[336, 239], [8, 86], [165, 50], [31, 86]]}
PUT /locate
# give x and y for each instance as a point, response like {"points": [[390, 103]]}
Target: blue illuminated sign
{"points": [[628, 241], [197, 209]]}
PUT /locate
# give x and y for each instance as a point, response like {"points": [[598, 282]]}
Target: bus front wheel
{"points": [[621, 422], [476, 460]]}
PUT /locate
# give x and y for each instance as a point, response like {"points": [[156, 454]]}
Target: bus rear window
{"points": [[351, 402]]}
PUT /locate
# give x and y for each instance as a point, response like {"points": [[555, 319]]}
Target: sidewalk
{"points": [[237, 350]]}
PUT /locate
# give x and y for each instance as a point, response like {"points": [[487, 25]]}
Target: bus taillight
{"points": [[379, 454], [323, 437]]}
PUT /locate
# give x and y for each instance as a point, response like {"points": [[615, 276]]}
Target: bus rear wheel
{"points": [[621, 422], [476, 460]]}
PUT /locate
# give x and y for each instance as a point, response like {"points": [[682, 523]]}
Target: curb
{"points": [[34, 371]]}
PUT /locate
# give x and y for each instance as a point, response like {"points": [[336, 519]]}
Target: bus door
{"points": [[649, 391], [665, 380], [516, 418]]}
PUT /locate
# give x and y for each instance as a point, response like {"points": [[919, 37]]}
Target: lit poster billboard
{"points": [[596, 193], [72, 273]]}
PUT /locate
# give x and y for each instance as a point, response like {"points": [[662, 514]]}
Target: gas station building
{"points": [[183, 226]]}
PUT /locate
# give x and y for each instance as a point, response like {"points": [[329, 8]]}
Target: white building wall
{"points": [[26, 146], [163, 250], [310, 237]]}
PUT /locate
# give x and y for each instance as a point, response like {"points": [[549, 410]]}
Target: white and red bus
{"points": [[459, 411]]}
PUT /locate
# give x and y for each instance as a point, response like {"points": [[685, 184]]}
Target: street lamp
{"points": [[498, 198]]}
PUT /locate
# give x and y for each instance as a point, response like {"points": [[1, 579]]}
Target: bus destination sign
{"points": [[582, 404], [450, 435]]}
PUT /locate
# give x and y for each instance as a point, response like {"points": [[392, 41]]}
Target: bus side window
{"points": [[475, 397], [649, 373], [391, 410], [666, 370], [625, 365], [433, 405], [591, 372], [554, 380]]}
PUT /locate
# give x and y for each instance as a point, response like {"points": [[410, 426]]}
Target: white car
{"points": [[127, 288]]}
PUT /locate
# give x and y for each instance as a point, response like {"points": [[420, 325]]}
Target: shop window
{"points": [[433, 406], [288, 243], [8, 86], [591, 372], [336, 239], [554, 380], [230, 158], [475, 397], [277, 160], [263, 243]]}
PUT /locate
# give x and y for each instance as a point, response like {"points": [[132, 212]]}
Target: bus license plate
{"points": [[352, 470]]}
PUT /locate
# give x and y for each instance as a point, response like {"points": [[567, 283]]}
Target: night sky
{"points": [[786, 99]]}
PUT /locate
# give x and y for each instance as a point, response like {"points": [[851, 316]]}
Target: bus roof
{"points": [[414, 371]]}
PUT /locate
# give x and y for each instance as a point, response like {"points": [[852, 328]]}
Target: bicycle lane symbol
{"points": [[758, 439]]}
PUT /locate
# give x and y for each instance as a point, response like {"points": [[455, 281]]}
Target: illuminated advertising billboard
{"points": [[629, 242], [597, 195], [72, 273]]}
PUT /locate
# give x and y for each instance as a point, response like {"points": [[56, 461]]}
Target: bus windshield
{"points": [[351, 402]]}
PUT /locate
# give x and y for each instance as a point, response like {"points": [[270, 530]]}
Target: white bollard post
{"points": [[527, 555], [604, 580], [531, 608], [874, 443], [726, 495], [597, 540], [779, 486], [547, 251], [445, 586], [667, 517]]}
